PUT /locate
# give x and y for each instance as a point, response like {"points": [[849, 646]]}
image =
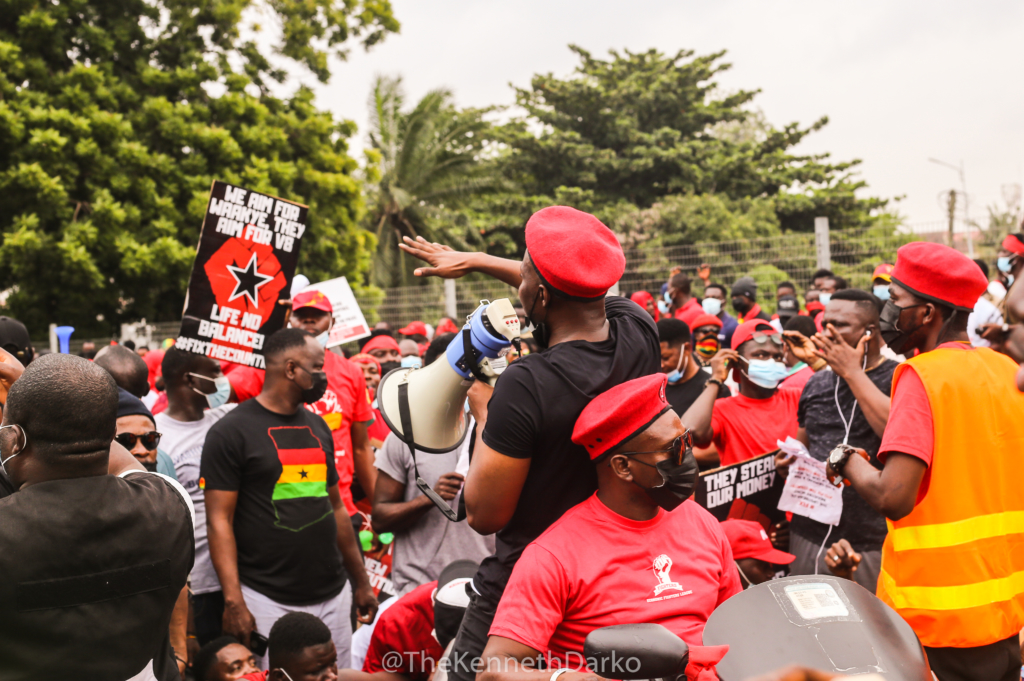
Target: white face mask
{"points": [[712, 306], [322, 340], [221, 395]]}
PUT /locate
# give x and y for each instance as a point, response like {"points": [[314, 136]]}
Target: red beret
{"points": [[574, 253], [414, 329], [1013, 244], [746, 330], [705, 320], [381, 342], [314, 299], [940, 274], [617, 415]]}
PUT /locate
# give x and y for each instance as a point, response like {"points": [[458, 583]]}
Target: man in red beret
{"points": [[526, 471], [747, 424], [950, 485], [639, 550]]}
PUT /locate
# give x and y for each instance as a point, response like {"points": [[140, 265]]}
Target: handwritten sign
{"points": [[349, 323], [809, 493], [748, 490], [248, 249]]}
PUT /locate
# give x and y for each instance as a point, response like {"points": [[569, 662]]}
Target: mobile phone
{"points": [[258, 644]]}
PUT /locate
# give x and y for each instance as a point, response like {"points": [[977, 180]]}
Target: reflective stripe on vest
{"points": [[954, 567]]}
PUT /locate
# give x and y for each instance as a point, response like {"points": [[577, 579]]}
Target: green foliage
{"points": [[110, 139], [428, 168]]}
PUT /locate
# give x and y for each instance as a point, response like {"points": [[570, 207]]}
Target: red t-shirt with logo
{"points": [[345, 401], [406, 628], [744, 427], [674, 569]]}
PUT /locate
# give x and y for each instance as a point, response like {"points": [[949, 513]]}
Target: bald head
{"points": [[66, 405], [128, 369]]}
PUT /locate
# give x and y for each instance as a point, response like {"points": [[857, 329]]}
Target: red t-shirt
{"points": [[406, 628], [153, 360], [690, 311], [798, 380], [378, 430], [744, 427], [674, 569], [247, 382]]}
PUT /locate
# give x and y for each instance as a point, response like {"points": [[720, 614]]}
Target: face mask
{"points": [[712, 306], [888, 325], [824, 298], [677, 482], [663, 307], [1004, 264], [323, 338], [766, 373], [317, 387], [539, 330], [666, 296], [677, 375], [881, 292], [218, 397], [386, 367], [707, 348], [3, 462], [412, 361], [741, 305]]}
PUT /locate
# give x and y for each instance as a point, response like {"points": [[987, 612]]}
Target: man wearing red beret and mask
{"points": [[526, 471], [953, 559], [672, 561]]}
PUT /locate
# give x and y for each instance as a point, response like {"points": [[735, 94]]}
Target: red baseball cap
{"points": [[749, 540], [446, 326], [574, 252], [619, 414], [314, 299], [705, 320], [1013, 244], [939, 274], [381, 342], [416, 328], [883, 271], [746, 331]]}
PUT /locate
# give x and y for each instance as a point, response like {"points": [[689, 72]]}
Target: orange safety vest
{"points": [[954, 567]]}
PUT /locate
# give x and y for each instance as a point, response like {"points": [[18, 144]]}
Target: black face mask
{"points": [[386, 367], [677, 481], [540, 331], [316, 389], [741, 305], [888, 325]]}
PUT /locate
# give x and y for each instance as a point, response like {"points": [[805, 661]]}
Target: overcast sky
{"points": [[899, 81]]}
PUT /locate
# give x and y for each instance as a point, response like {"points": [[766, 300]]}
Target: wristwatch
{"points": [[714, 381], [837, 459]]}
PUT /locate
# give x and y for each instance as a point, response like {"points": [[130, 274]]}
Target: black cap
{"points": [[787, 307], [745, 286], [14, 339]]}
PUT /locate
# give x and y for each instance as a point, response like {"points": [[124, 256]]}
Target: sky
{"points": [[901, 82]]}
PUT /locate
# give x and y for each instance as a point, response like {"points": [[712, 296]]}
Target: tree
{"points": [[110, 138], [640, 130], [429, 165]]}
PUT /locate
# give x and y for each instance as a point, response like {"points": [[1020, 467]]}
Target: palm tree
{"points": [[430, 165]]}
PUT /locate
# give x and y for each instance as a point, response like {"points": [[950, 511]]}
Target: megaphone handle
{"points": [[407, 437], [470, 356]]}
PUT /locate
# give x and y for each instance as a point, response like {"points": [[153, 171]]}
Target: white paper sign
{"points": [[814, 601], [809, 493], [349, 323]]}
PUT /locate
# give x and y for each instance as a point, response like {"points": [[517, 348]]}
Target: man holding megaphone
{"points": [[526, 471]]}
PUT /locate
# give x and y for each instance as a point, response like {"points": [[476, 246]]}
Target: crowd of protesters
{"points": [[166, 515]]}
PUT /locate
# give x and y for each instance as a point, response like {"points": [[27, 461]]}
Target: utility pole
{"points": [[967, 215], [951, 206]]}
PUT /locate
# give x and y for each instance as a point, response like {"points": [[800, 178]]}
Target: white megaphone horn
{"points": [[426, 407]]}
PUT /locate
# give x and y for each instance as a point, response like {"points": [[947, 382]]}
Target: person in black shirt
{"points": [[277, 527], [856, 391], [526, 472]]}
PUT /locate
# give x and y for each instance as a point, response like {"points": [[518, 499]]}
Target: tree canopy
{"points": [[116, 116]]}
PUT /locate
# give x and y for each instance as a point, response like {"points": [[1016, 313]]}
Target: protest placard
{"points": [[247, 252], [748, 490], [349, 323]]}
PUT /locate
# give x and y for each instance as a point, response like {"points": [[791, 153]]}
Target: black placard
{"points": [[248, 249], [748, 490]]}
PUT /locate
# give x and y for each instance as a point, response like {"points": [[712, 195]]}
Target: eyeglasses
{"points": [[762, 337], [149, 440], [675, 450]]}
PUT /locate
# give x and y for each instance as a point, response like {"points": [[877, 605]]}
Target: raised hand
{"points": [[801, 346], [444, 261]]}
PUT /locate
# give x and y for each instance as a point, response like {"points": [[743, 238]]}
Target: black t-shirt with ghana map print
{"points": [[281, 466]]}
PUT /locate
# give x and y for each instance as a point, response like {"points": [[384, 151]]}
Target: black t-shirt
{"points": [[860, 524], [281, 467], [6, 486], [682, 395], [532, 413]]}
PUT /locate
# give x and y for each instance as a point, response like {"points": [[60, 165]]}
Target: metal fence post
{"points": [[53, 338], [821, 244], [450, 299]]}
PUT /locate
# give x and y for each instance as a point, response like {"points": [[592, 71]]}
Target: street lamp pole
{"points": [[963, 190]]}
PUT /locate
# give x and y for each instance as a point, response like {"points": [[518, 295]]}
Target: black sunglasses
{"points": [[150, 440], [675, 450]]}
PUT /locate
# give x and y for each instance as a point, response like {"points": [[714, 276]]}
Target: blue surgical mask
{"points": [[712, 306], [412, 361], [881, 292], [766, 373], [666, 296], [823, 298], [1004, 263], [677, 375], [218, 397], [323, 338], [663, 307]]}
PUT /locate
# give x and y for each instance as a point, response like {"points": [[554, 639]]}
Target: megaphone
{"points": [[425, 407]]}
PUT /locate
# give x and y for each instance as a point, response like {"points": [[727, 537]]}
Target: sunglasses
{"points": [[762, 337], [150, 440], [675, 451]]}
